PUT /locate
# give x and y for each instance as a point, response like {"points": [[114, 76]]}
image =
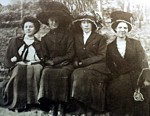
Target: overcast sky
{"points": [[4, 2]]}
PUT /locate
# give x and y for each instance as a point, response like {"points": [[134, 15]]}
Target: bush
{"points": [[6, 34], [10, 16], [10, 24]]}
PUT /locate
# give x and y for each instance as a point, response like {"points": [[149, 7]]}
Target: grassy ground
{"points": [[6, 112]]}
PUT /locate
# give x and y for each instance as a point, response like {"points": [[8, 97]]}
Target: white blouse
{"points": [[121, 45], [86, 36], [32, 55]]}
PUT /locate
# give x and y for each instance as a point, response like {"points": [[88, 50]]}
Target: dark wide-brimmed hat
{"points": [[55, 9], [121, 16], [33, 20], [86, 16]]}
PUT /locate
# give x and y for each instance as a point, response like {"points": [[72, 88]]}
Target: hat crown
{"points": [[121, 15], [55, 6], [86, 14]]}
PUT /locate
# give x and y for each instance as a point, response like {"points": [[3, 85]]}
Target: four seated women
{"points": [[70, 67]]}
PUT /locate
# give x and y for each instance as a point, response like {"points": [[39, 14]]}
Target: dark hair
{"points": [[33, 20], [77, 28], [115, 24]]}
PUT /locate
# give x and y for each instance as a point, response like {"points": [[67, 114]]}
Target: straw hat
{"points": [[86, 16]]}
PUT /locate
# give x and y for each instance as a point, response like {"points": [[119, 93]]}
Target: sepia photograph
{"points": [[74, 58]]}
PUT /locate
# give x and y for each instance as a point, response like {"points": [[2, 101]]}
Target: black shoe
{"points": [[71, 107]]}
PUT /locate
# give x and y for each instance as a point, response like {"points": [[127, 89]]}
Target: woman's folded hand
{"points": [[13, 59], [49, 62], [146, 83], [21, 62]]}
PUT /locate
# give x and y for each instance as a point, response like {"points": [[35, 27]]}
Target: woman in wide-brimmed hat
{"points": [[88, 78], [125, 58], [57, 10], [58, 52], [23, 58]]}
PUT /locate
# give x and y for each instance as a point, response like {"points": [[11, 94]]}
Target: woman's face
{"points": [[29, 28], [53, 23], [86, 26], [122, 29]]}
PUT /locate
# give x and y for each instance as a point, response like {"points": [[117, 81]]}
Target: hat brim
{"points": [[88, 19], [114, 25], [61, 15]]}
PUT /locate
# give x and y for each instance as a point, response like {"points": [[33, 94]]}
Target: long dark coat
{"points": [[19, 88], [123, 78], [88, 80], [57, 46]]}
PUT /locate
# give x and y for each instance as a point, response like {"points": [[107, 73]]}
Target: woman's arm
{"points": [[12, 56], [101, 54], [69, 51], [143, 62]]}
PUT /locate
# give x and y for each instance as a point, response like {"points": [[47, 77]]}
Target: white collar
{"points": [[87, 34], [29, 38]]}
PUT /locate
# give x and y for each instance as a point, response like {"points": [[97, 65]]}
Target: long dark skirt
{"points": [[88, 87], [33, 83], [22, 87], [120, 97], [54, 84], [15, 94]]}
